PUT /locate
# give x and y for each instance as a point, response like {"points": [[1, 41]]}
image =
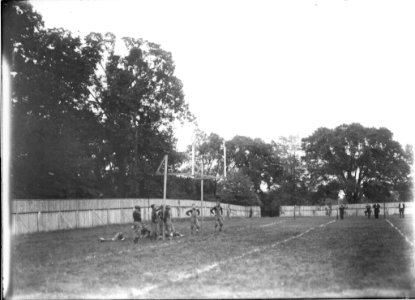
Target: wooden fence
{"points": [[36, 215], [390, 208]]}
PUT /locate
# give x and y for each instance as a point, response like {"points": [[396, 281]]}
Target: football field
{"points": [[251, 258]]}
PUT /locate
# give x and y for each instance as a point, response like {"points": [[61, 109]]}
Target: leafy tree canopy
{"points": [[86, 121], [360, 160]]}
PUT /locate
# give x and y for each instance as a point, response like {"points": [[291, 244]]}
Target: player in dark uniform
{"points": [[194, 222], [137, 226], [217, 211], [160, 222], [167, 222], [154, 222]]}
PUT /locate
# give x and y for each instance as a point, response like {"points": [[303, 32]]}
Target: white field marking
{"points": [[183, 276], [401, 233], [266, 225], [300, 234]]}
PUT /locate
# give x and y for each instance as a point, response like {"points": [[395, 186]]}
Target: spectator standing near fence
{"points": [[368, 210], [218, 211], [401, 210], [376, 210], [228, 212], [251, 212], [194, 222], [341, 210]]}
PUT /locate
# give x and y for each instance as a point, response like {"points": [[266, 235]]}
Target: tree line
{"points": [[89, 122]]}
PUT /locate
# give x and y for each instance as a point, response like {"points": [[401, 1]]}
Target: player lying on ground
{"points": [[217, 211], [174, 233], [194, 222], [117, 237]]}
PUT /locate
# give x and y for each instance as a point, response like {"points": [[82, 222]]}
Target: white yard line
{"points": [[401, 233], [183, 276], [266, 225]]}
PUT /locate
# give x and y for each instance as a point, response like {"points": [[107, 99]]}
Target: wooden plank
{"points": [[50, 221], [85, 219], [67, 220]]}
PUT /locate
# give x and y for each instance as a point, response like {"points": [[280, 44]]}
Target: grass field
{"points": [[251, 258]]}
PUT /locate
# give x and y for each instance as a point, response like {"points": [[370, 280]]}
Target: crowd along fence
{"points": [[34, 215], [386, 209]]}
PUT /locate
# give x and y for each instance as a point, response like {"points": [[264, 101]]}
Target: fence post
{"points": [[77, 213], [76, 218], [108, 217], [148, 209]]}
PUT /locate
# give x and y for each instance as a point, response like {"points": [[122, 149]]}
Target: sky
{"points": [[266, 69]]}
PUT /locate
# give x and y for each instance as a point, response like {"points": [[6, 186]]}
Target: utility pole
{"points": [[193, 158], [201, 199], [164, 190]]}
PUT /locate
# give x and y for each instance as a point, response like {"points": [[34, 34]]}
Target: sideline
{"points": [[208, 268], [401, 233]]}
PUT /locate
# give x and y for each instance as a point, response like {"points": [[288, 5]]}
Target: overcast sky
{"points": [[272, 68]]}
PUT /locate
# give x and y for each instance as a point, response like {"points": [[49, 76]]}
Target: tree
{"points": [[358, 159], [256, 159], [291, 181], [211, 152], [51, 71], [238, 188], [137, 97], [80, 131]]}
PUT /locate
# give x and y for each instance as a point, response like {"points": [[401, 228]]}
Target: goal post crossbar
{"points": [[188, 175]]}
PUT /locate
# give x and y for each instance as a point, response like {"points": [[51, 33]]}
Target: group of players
{"points": [[160, 219]]}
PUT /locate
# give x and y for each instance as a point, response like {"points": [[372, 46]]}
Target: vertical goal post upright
{"points": [[165, 162]]}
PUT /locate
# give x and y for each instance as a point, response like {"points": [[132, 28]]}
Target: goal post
{"points": [[158, 172], [200, 177]]}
